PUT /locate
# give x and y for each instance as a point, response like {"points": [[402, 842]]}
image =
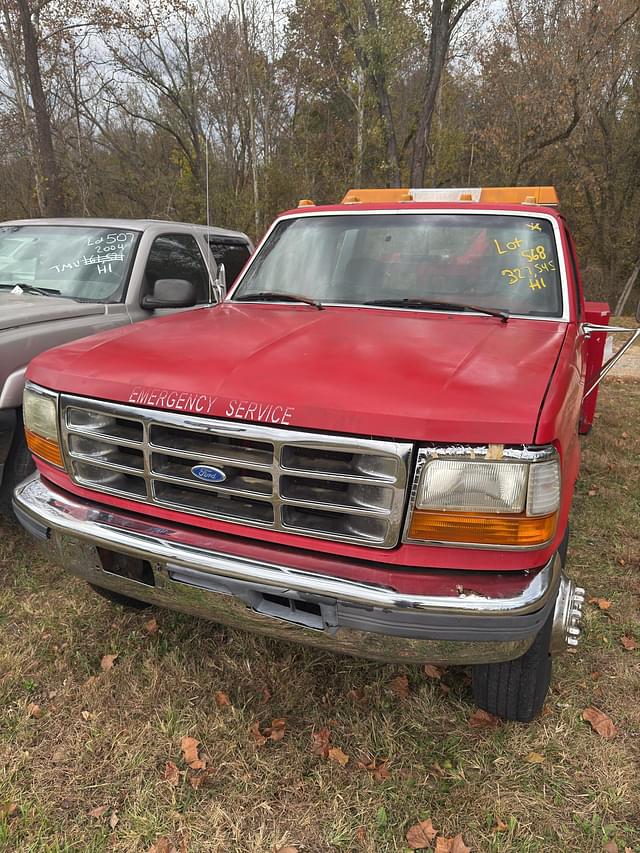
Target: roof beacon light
{"points": [[490, 195]]}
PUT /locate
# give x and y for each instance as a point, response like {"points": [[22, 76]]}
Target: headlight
{"points": [[40, 416], [512, 502]]}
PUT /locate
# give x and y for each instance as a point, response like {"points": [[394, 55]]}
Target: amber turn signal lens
{"points": [[482, 528], [44, 448]]}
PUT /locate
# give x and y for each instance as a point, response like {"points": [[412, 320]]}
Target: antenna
{"points": [[206, 169]]}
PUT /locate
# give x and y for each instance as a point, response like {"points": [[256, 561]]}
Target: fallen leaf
{"points": [[535, 758], [600, 723], [266, 694], [602, 603], [58, 756], [151, 626], [596, 676], [378, 770], [171, 773], [432, 671], [483, 720], [337, 755], [451, 845], [286, 850], [625, 434], [458, 845], [162, 845], [321, 740], [107, 662], [444, 688], [610, 847], [361, 834], [114, 820], [276, 731], [189, 747], [592, 492], [98, 812], [34, 710], [8, 811], [357, 694], [400, 686], [500, 826], [420, 835], [199, 778], [87, 715], [629, 643], [256, 734], [273, 732], [222, 700]]}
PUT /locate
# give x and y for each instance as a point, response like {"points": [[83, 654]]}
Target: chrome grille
{"points": [[326, 486]]}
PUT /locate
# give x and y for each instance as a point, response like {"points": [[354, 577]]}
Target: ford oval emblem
{"points": [[208, 473]]}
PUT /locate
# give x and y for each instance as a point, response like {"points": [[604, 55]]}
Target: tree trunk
{"points": [[441, 29], [53, 201], [626, 292]]}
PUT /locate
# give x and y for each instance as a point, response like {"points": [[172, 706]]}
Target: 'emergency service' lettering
{"points": [[204, 404]]}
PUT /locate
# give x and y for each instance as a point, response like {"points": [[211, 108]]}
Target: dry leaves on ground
{"points": [[535, 758], [433, 671], [162, 845], [98, 812], [600, 723], [151, 627], [34, 710], [400, 686], [337, 755], [320, 742], [628, 643], [189, 747], [421, 834], [107, 662], [114, 820], [222, 700], [288, 849], [602, 603], [273, 732], [451, 845], [378, 770], [171, 773], [500, 826], [483, 720]]}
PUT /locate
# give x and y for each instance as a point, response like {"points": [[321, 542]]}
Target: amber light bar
{"points": [[488, 195], [44, 448], [483, 528]]}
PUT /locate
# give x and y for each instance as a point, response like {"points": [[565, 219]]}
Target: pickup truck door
{"points": [[173, 255]]}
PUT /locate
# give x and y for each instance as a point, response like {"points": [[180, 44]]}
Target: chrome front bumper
{"points": [[321, 610]]}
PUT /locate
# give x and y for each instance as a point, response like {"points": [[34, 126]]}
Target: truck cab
{"points": [[63, 279], [370, 445]]}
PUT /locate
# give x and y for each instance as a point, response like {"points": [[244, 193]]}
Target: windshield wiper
{"points": [[417, 302], [30, 288], [278, 296]]}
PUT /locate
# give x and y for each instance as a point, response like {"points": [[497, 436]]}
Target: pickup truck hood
{"points": [[386, 373], [24, 310]]}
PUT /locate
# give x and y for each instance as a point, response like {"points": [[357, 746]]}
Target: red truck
{"points": [[370, 445]]}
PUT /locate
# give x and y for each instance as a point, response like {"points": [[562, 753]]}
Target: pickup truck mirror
{"points": [[220, 284], [170, 293], [591, 328]]}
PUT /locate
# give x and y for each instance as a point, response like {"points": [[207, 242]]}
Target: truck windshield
{"points": [[76, 262], [497, 261]]}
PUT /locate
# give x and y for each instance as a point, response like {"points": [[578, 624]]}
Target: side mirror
{"points": [[171, 293], [220, 284]]}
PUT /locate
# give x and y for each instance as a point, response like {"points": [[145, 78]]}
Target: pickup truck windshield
{"points": [[76, 262], [493, 261]]}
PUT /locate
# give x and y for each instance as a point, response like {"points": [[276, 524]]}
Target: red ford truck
{"points": [[370, 445]]}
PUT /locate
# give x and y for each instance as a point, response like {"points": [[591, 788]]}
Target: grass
{"points": [[103, 738]]}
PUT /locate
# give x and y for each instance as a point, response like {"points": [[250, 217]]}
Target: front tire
{"points": [[516, 689], [17, 468]]}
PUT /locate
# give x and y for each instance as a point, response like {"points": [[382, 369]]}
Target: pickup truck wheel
{"points": [[18, 466], [516, 689], [119, 598]]}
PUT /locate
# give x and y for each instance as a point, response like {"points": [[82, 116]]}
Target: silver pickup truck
{"points": [[63, 279]]}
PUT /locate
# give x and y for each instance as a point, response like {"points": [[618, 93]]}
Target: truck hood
{"points": [[386, 373], [24, 310]]}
